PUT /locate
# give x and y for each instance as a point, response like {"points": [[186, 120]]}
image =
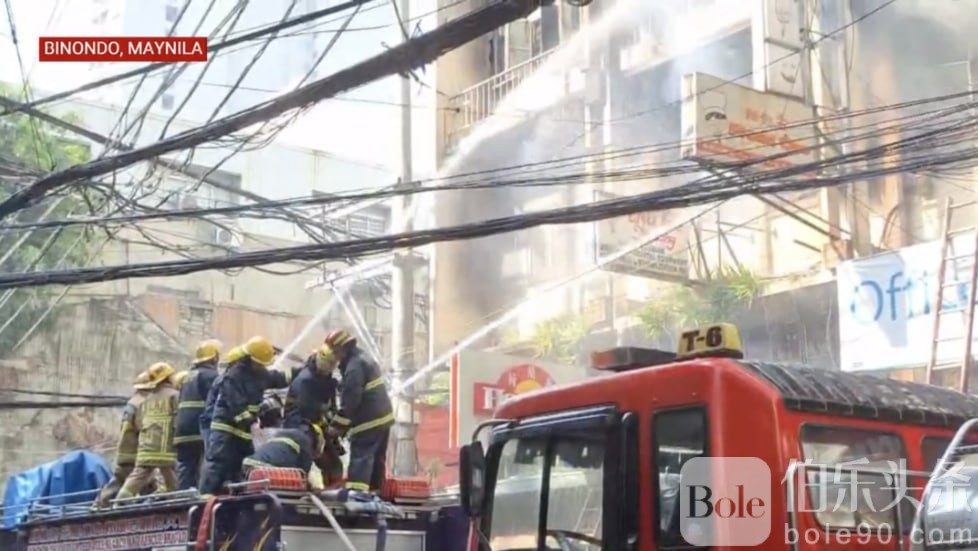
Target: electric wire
{"points": [[500, 177], [211, 49], [403, 57], [909, 152]]}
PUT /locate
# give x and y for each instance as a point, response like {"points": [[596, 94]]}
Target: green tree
{"points": [[29, 148], [437, 392], [720, 298], [558, 339]]}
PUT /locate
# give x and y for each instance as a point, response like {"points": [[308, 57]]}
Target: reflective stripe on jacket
{"points": [[365, 404], [239, 396], [155, 422], [193, 400], [287, 448], [208, 414]]}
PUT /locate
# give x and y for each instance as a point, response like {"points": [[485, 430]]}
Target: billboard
{"points": [[666, 256], [886, 309], [481, 381], [778, 47], [726, 122]]}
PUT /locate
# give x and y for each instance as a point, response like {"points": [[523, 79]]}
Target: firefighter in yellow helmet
{"points": [[125, 453], [153, 421], [366, 413], [235, 417], [188, 439]]}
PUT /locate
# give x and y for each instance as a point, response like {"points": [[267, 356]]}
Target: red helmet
{"points": [[337, 339]]}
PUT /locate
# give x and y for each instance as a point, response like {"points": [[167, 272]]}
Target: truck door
{"points": [[557, 482], [678, 435]]}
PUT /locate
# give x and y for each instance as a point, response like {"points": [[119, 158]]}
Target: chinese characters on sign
{"points": [[727, 501], [516, 380], [666, 255], [127, 534], [726, 122], [481, 381]]}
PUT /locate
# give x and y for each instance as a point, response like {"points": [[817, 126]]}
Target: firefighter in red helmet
{"points": [[366, 414]]}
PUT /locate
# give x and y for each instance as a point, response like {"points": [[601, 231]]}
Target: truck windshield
{"points": [[574, 504]]}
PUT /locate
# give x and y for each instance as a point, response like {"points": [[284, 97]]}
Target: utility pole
{"points": [[402, 287]]}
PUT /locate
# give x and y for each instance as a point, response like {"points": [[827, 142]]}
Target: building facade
{"points": [[612, 75]]}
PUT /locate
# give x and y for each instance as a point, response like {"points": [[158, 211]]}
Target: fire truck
{"points": [[701, 448], [273, 511]]}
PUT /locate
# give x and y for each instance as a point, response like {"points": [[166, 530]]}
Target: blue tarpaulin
{"points": [[72, 479]]}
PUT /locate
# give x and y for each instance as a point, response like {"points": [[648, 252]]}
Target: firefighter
{"points": [[125, 454], [208, 412], [235, 417], [153, 420], [312, 394], [365, 415], [271, 411], [298, 448], [188, 441]]}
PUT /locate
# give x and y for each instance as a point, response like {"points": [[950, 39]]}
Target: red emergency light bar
{"points": [[625, 358]]}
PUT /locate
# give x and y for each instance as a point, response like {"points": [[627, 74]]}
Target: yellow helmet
{"points": [[141, 379], [325, 358], [207, 350], [234, 354], [156, 374], [180, 378], [260, 350]]}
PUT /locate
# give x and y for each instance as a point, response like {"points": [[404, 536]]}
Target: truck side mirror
{"points": [[472, 478]]}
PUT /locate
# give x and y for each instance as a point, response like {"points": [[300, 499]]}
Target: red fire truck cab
{"points": [[703, 449]]}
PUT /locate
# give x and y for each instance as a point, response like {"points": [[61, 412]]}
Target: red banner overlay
{"points": [[143, 49]]}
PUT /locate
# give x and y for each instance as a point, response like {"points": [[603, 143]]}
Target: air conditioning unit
{"points": [[227, 238]]}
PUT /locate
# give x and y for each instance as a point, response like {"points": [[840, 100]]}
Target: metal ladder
{"points": [[948, 257], [589, 521]]}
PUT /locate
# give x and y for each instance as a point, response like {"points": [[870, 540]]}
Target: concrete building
{"points": [[610, 76]]}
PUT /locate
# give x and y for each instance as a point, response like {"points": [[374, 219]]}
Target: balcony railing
{"points": [[476, 103]]}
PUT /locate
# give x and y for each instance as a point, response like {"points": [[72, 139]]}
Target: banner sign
{"points": [[481, 381], [666, 256], [729, 123], [886, 308], [144, 533], [516, 380]]}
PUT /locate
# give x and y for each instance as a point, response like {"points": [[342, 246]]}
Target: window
{"points": [[549, 27], [831, 492], [497, 51], [932, 448], [677, 436], [518, 43], [171, 13], [366, 225], [570, 19], [166, 101], [536, 38], [574, 501]]}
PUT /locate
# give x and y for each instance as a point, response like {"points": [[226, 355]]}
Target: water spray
{"points": [[556, 285]]}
